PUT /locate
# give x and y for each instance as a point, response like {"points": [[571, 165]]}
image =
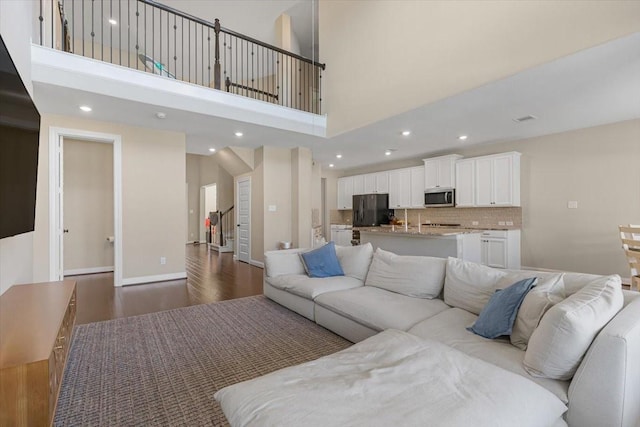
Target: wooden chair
{"points": [[630, 235]]}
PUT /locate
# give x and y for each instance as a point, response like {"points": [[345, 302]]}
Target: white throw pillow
{"points": [[468, 285], [355, 260], [414, 276], [566, 331], [547, 292], [277, 263]]}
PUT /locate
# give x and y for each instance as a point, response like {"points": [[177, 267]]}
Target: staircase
{"points": [[224, 234]]}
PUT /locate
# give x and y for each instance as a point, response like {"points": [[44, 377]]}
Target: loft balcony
{"points": [[157, 48]]}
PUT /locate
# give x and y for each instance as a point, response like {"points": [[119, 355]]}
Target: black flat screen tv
{"points": [[19, 140]]}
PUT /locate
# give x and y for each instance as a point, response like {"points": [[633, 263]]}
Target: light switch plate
{"points": [[510, 223], [501, 223], [272, 208], [572, 204], [474, 223]]}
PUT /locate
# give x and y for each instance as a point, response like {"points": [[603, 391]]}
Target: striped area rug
{"points": [[162, 369]]}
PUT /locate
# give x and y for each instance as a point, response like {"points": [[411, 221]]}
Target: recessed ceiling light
{"points": [[213, 150], [387, 153], [113, 21], [161, 115], [462, 137], [85, 108], [331, 165], [406, 132], [239, 134], [338, 156]]}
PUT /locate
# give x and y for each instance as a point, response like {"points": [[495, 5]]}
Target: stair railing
{"points": [[149, 36], [226, 231]]}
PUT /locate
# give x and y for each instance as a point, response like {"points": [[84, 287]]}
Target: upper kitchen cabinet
{"points": [[345, 193], [440, 171], [417, 187], [358, 184], [376, 183], [465, 183], [400, 188], [488, 181], [498, 180]]}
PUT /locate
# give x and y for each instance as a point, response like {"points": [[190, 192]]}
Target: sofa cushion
{"points": [[414, 276], [548, 291], [355, 260], [449, 327], [322, 262], [379, 309], [497, 317], [277, 263], [566, 331], [468, 285], [310, 287]]}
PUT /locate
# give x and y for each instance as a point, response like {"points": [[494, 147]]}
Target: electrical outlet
{"points": [[501, 223], [572, 204], [510, 223], [191, 211], [474, 223], [163, 260], [191, 234]]}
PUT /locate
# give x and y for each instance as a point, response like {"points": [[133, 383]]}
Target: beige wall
{"points": [[411, 53], [277, 191], [257, 206], [16, 22], [598, 168], [88, 204], [193, 203], [301, 195], [153, 197]]}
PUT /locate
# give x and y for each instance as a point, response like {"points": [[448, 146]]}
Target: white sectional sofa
{"points": [[437, 299]]}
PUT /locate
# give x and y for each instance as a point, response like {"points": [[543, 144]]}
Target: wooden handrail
{"points": [[231, 32]]}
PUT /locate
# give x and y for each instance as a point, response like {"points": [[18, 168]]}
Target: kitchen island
{"points": [[439, 242]]}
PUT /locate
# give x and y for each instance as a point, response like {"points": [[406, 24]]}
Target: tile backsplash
{"points": [[486, 217]]}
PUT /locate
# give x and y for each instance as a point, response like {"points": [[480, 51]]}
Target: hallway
{"points": [[210, 277]]}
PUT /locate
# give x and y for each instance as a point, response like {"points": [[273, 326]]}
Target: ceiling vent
{"points": [[524, 118]]}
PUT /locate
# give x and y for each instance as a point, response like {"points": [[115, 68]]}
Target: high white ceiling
{"points": [[593, 87]]}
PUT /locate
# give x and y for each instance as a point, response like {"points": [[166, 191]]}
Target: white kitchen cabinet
{"points": [[400, 188], [341, 236], [376, 183], [497, 180], [358, 184], [488, 181], [417, 187], [345, 193], [439, 172], [500, 249], [465, 183]]}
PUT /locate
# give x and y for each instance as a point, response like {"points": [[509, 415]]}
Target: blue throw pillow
{"points": [[322, 262], [497, 317]]}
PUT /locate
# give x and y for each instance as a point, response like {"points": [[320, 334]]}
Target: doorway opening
{"points": [[208, 205], [109, 239], [87, 213]]}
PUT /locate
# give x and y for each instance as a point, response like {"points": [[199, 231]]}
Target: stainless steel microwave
{"points": [[439, 198]]}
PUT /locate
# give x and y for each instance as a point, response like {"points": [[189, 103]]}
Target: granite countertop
{"points": [[413, 231]]}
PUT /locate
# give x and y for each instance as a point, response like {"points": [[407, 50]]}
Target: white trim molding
{"points": [[56, 135], [257, 263], [91, 270], [157, 278]]}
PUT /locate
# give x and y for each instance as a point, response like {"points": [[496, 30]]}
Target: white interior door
{"points": [[60, 214], [244, 219]]}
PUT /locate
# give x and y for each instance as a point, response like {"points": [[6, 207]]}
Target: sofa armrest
{"points": [[605, 389], [277, 263]]}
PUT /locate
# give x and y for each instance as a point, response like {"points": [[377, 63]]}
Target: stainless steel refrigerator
{"points": [[370, 210]]}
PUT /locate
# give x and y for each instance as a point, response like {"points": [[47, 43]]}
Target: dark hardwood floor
{"points": [[210, 277]]}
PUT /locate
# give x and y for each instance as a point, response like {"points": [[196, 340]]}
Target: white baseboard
{"points": [[92, 270], [156, 278], [257, 263]]}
